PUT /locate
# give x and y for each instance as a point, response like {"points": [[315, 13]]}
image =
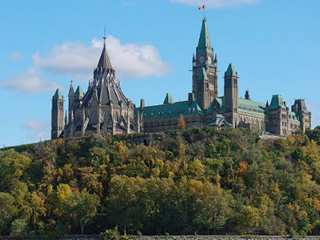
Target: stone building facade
{"points": [[104, 109], [205, 107]]}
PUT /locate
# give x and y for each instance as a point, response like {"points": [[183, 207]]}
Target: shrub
{"points": [[110, 234]]}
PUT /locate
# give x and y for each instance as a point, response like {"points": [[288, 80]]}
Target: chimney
{"points": [[142, 104], [191, 97], [247, 95]]}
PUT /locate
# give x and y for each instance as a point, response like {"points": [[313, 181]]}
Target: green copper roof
{"points": [[168, 99], [219, 103], [231, 72], [204, 44], [202, 74], [251, 107], [58, 94], [79, 92], [171, 110], [244, 106], [277, 102], [293, 117]]}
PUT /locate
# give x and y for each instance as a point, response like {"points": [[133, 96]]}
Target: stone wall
{"points": [[181, 238], [229, 238]]}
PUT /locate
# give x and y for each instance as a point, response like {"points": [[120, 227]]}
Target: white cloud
{"points": [[78, 61], [39, 129], [15, 56], [216, 3], [30, 82]]}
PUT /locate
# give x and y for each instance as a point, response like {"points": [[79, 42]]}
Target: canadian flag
{"points": [[202, 7]]}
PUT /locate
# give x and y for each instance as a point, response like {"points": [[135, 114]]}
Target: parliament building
{"points": [[104, 109]]}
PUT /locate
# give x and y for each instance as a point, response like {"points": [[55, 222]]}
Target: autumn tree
{"points": [[248, 220], [181, 123], [214, 208]]}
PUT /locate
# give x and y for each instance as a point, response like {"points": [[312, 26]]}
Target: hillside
{"points": [[205, 180]]}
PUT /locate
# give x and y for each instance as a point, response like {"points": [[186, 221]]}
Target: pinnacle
{"points": [[104, 61]]}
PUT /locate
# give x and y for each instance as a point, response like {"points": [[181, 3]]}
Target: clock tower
{"points": [[205, 70]]}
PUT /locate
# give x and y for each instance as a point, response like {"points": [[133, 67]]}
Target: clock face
{"points": [[202, 60]]}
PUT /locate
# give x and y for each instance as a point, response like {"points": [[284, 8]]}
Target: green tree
{"points": [[248, 220], [12, 167], [81, 208], [7, 211], [18, 228], [37, 209], [213, 208], [124, 201], [156, 201]]}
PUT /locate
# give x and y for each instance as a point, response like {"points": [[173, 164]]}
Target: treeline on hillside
{"points": [[203, 181]]}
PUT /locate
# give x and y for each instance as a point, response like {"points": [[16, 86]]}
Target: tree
{"points": [[248, 219], [156, 201], [213, 208], [12, 167], [7, 211], [18, 228], [124, 201], [90, 180], [81, 208], [37, 209], [181, 123], [314, 134]]}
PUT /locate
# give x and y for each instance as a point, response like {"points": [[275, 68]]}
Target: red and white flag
{"points": [[202, 7]]}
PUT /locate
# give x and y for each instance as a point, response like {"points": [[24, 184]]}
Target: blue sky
{"points": [[274, 45]]}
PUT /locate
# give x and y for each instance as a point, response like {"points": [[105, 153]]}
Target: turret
{"points": [[194, 61], [71, 124], [79, 93], [203, 89], [168, 99], [65, 123], [71, 100], [57, 115], [231, 94], [300, 109]]}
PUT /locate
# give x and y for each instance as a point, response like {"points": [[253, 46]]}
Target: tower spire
{"points": [[104, 37], [204, 44], [104, 61]]}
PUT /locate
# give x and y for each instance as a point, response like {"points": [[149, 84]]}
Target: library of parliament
{"points": [[104, 108]]}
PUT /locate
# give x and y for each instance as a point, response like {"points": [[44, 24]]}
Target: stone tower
{"points": [[278, 112], [57, 115], [71, 100], [300, 108], [231, 95], [205, 63]]}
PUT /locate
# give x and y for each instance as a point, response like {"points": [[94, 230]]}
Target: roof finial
{"points": [[104, 37]]}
